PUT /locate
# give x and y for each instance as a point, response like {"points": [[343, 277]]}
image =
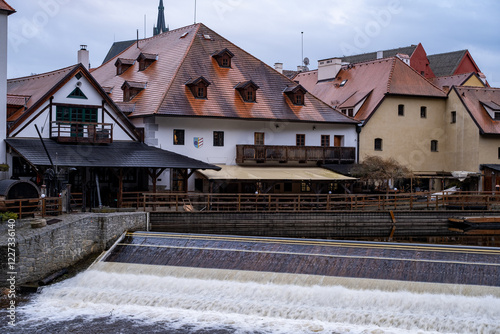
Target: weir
{"points": [[278, 285]]}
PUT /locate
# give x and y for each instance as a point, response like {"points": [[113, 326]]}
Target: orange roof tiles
{"points": [[4, 6], [473, 98], [36, 86], [182, 58], [371, 80]]}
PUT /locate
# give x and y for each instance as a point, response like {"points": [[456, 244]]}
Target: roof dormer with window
{"points": [[145, 60], [247, 90], [123, 64], [131, 89], [199, 87], [223, 58], [296, 94]]}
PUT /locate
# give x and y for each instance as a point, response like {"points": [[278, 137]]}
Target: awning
{"points": [[274, 173], [116, 154]]}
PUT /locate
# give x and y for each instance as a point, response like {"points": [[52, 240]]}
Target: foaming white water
{"points": [[303, 305]]}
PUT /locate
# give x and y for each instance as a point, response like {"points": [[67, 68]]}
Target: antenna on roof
{"points": [[302, 55], [144, 26], [137, 38], [194, 11]]}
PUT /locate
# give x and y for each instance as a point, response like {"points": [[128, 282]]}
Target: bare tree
{"points": [[380, 172]]}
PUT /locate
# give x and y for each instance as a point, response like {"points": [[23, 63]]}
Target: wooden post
{"points": [[59, 205], [43, 207], [120, 189], [239, 202]]}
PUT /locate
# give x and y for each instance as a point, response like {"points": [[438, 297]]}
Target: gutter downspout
{"points": [[358, 131]]}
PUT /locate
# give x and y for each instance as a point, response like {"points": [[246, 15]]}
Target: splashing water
{"points": [[249, 302]]}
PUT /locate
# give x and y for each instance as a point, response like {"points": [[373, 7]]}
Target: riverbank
{"points": [[39, 252]]}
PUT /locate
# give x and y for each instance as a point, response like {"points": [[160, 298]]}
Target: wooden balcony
{"points": [[284, 154], [82, 132]]}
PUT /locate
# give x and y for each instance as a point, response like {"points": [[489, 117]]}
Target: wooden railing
{"points": [[273, 153], [322, 202], [50, 206], [82, 132]]}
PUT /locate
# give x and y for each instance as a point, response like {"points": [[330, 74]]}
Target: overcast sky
{"points": [[45, 35]]}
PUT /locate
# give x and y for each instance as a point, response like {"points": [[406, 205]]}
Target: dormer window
{"points": [[247, 90], [123, 64], [199, 87], [296, 94], [223, 58], [131, 89], [146, 59]]}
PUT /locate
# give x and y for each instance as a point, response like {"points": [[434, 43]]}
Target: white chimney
{"points": [[380, 54], [83, 56], [329, 68], [278, 67]]}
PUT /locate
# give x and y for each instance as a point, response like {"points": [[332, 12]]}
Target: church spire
{"points": [[160, 25]]}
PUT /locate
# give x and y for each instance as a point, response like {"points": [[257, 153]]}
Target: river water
{"points": [[125, 298]]}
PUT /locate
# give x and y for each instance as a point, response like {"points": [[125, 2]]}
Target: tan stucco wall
{"points": [[462, 138], [407, 138]]}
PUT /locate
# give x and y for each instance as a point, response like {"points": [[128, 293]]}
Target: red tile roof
{"points": [[36, 86], [183, 58], [4, 6], [473, 98], [372, 80]]}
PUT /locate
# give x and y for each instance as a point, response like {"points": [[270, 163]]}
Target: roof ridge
{"points": [[389, 80]]}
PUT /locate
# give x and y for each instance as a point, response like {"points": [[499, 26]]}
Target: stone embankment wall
{"points": [[42, 251]]}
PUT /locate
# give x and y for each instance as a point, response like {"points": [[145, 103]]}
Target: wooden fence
{"points": [[308, 202], [49, 206]]}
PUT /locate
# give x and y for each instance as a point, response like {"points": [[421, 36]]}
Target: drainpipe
{"points": [[358, 131]]}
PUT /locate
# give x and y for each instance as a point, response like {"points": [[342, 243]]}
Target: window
{"points": [[145, 60], [378, 144], [325, 140], [499, 153], [201, 92], [299, 99], [401, 110], [423, 112], [344, 111], [199, 87], [304, 187], [77, 94], [497, 116], [247, 90], [218, 138], [300, 140], [76, 114], [434, 145], [453, 117], [178, 137], [350, 112], [342, 84], [223, 58], [259, 138]]}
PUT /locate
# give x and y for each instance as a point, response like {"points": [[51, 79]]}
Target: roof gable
{"points": [[477, 101], [41, 87], [451, 63]]}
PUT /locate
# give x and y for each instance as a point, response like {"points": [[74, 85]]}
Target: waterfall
{"points": [[263, 302]]}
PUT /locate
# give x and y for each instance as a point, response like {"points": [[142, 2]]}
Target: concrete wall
{"points": [[42, 251]]}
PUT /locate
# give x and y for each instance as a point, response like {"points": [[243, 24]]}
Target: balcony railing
{"points": [[283, 154], [82, 132]]}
